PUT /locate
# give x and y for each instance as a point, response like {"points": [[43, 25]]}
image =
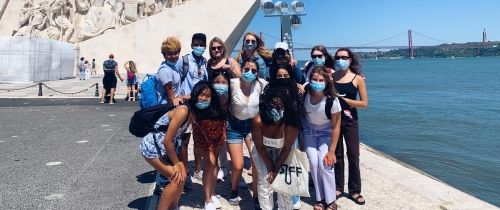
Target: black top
{"points": [[351, 92]]}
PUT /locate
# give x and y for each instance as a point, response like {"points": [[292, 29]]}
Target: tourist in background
{"points": [[93, 70], [253, 46], [319, 57], [110, 68], [86, 67], [81, 68], [245, 93], [349, 81], [131, 80], [320, 134], [209, 133], [274, 131]]}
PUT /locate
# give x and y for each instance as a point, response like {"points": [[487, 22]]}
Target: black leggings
{"points": [[348, 131]]}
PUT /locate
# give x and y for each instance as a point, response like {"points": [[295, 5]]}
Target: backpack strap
{"points": [[328, 107], [185, 67], [307, 69]]}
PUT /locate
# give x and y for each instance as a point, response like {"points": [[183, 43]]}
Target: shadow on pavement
{"points": [[147, 177], [139, 203]]}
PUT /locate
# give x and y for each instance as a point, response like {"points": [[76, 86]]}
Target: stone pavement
{"points": [[387, 183]]}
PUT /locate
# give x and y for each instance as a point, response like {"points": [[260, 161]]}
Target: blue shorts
{"points": [[237, 130]]}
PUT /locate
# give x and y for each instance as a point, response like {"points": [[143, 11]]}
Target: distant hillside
{"points": [[470, 49]]}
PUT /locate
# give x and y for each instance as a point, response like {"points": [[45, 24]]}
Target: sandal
{"points": [[318, 205], [332, 206], [339, 194], [358, 199]]}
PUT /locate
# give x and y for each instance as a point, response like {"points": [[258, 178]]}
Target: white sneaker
{"points": [[220, 175], [215, 200], [296, 202], [199, 175], [234, 201], [210, 206]]}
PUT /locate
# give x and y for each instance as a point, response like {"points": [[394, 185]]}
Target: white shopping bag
{"points": [[293, 177]]}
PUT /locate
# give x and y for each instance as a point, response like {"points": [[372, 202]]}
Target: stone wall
{"points": [[32, 59]]}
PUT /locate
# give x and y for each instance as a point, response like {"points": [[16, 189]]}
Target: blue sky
{"points": [[356, 22]]}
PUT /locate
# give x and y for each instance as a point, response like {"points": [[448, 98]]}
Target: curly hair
{"points": [[171, 45], [281, 99]]}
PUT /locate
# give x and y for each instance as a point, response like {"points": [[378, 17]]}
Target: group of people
{"points": [[263, 99], [86, 68], [110, 68]]}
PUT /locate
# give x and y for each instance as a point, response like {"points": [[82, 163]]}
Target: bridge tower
{"points": [[410, 45], [485, 39]]}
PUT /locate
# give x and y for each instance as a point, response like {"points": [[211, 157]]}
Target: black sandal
{"points": [[318, 205], [331, 206], [358, 198]]}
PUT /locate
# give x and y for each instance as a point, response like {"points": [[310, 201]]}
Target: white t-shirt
{"points": [[315, 113], [243, 109]]}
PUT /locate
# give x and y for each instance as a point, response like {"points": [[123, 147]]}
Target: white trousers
{"points": [[265, 193]]}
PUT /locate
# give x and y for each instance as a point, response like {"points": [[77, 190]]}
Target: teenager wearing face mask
{"points": [[274, 131], [319, 57], [197, 71], [253, 46], [349, 81], [209, 134], [320, 133], [219, 61], [245, 93]]}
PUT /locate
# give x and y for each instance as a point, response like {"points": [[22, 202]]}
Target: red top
{"points": [[209, 133]]}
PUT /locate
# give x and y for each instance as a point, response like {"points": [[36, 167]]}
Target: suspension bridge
{"points": [[410, 39]]}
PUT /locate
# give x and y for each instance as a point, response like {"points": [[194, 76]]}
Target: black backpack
{"points": [[143, 121]]}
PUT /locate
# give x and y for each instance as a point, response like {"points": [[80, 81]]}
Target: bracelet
{"points": [[175, 165]]}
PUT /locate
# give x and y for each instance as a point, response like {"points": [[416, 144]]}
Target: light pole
{"points": [[290, 18]]}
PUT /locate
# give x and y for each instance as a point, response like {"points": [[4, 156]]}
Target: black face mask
{"points": [[283, 82]]}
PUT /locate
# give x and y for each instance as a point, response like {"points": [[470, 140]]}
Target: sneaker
{"points": [[256, 204], [215, 201], [189, 184], [235, 201], [220, 175], [210, 206], [199, 175], [296, 202]]}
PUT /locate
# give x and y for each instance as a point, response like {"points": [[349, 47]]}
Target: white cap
{"points": [[282, 45]]}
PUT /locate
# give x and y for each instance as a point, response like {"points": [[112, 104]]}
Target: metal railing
{"points": [[41, 86]]}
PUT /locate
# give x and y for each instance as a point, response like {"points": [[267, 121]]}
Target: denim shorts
{"points": [[237, 130]]}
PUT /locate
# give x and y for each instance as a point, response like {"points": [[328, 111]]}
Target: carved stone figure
{"points": [[100, 18], [61, 28], [24, 19]]}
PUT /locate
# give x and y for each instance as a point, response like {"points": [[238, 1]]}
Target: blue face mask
{"points": [[317, 86], [342, 64], [202, 104], [319, 61], [275, 114], [221, 89], [249, 76], [198, 51], [171, 64], [250, 46]]}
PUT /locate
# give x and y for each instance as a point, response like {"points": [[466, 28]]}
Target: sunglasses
{"points": [[342, 57], [248, 41], [316, 56], [219, 48], [246, 69]]}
